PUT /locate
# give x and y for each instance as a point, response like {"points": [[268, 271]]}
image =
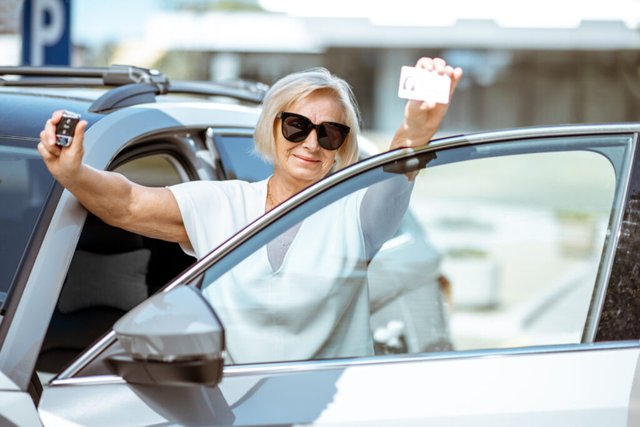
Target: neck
{"points": [[279, 189]]}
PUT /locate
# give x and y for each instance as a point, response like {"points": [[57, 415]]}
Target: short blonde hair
{"points": [[290, 89]]}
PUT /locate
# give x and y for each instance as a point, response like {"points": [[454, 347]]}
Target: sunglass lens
{"points": [[330, 136], [295, 128]]}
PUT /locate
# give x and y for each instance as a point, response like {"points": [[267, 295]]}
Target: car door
{"points": [[26, 191], [533, 228], [234, 150]]}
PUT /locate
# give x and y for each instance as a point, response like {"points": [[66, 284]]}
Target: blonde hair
{"points": [[290, 89]]}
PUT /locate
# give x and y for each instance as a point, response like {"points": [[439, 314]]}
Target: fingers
{"points": [[432, 64], [48, 138], [45, 153], [56, 116], [78, 138], [456, 75], [441, 67]]}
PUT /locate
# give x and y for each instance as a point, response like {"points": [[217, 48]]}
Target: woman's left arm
{"points": [[385, 203], [381, 211]]}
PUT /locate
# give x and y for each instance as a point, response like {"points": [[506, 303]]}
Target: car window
{"points": [[25, 184], [112, 271], [238, 156], [521, 239], [509, 248]]}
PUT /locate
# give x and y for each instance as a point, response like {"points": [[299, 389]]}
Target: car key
{"points": [[66, 127]]}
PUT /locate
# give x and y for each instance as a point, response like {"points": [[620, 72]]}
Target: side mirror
{"points": [[172, 339]]}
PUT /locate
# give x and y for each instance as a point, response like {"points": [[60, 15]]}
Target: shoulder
{"points": [[225, 189]]}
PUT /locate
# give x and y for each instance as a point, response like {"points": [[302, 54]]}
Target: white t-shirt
{"points": [[315, 305]]}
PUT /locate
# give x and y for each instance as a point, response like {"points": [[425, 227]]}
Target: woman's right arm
{"points": [[149, 211]]}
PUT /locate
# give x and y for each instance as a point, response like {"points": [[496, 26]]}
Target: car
{"points": [[156, 133], [532, 231], [539, 224]]}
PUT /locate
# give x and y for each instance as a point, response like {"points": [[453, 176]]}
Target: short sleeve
{"points": [[212, 211], [186, 196]]}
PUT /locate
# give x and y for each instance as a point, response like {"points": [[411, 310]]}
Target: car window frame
{"points": [[51, 197], [402, 160], [222, 158], [28, 259], [171, 147]]}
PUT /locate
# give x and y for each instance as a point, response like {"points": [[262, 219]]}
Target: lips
{"points": [[305, 159]]}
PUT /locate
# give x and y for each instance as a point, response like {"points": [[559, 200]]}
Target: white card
{"points": [[423, 85]]}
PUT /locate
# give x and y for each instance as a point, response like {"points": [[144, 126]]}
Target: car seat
{"points": [[80, 318]]}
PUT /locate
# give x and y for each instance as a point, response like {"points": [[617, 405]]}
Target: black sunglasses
{"points": [[296, 128]]}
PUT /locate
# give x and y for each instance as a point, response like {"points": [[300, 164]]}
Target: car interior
{"points": [[112, 271]]}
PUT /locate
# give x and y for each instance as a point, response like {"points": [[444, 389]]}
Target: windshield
{"points": [[24, 187]]}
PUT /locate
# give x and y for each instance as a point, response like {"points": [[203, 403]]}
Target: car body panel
{"points": [[17, 406], [16, 105], [26, 334], [526, 389], [18, 409], [108, 135]]}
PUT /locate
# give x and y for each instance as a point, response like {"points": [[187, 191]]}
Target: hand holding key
{"points": [[61, 145]]}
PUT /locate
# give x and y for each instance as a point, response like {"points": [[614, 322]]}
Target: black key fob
{"points": [[66, 127]]}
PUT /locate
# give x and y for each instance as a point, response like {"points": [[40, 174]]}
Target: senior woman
{"points": [[308, 127]]}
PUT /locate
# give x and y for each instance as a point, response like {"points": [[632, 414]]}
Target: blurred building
{"points": [[9, 30], [572, 68], [513, 76]]}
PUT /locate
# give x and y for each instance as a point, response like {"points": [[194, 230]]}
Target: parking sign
{"points": [[46, 32]]}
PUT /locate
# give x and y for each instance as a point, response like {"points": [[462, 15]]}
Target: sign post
{"points": [[46, 32]]}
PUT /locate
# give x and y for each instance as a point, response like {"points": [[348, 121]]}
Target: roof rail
{"points": [[134, 85], [115, 75]]}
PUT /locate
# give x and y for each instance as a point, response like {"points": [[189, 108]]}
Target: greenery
{"points": [[466, 253], [574, 215], [215, 5]]}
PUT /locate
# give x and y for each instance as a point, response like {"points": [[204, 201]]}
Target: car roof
{"points": [[29, 95], [24, 113]]}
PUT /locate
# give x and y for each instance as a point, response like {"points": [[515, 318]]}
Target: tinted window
{"points": [[24, 186], [240, 159]]}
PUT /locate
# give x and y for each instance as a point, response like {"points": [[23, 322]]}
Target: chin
{"points": [[306, 174], [308, 178]]}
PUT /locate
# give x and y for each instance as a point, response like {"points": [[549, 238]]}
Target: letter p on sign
{"points": [[46, 32]]}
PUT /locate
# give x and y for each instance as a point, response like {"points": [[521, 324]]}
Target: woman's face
{"points": [[306, 162]]}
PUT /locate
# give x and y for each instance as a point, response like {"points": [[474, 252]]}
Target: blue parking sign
{"points": [[46, 29]]}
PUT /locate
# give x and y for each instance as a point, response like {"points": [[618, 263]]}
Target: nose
{"points": [[311, 141]]}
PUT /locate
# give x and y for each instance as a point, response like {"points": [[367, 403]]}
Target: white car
{"points": [[158, 140], [533, 229]]}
